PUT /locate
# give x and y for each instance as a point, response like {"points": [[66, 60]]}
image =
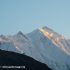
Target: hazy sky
{"points": [[27, 15]]}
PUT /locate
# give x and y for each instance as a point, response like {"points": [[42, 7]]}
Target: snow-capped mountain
{"points": [[54, 53], [44, 45], [56, 38]]}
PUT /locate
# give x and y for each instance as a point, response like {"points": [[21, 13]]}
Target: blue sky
{"points": [[27, 15]]}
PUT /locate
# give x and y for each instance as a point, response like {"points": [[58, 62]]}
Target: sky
{"points": [[28, 15]]}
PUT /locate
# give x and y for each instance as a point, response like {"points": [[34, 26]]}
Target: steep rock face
{"points": [[15, 59]]}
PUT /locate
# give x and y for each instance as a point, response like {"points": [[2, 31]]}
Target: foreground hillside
{"points": [[15, 59]]}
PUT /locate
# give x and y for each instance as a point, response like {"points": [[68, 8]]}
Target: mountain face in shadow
{"points": [[15, 59]]}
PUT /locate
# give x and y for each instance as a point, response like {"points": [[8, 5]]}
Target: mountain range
{"points": [[43, 44]]}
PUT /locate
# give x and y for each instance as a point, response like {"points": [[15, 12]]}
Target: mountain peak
{"points": [[19, 33], [47, 29]]}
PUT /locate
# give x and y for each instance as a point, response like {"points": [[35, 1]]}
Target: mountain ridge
{"points": [[44, 45]]}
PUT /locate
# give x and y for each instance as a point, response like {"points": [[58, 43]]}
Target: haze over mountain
{"points": [[44, 45]]}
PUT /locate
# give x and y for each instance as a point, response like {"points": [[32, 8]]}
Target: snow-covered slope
{"points": [[43, 44]]}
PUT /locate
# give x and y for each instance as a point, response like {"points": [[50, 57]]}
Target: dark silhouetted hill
{"points": [[15, 59]]}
